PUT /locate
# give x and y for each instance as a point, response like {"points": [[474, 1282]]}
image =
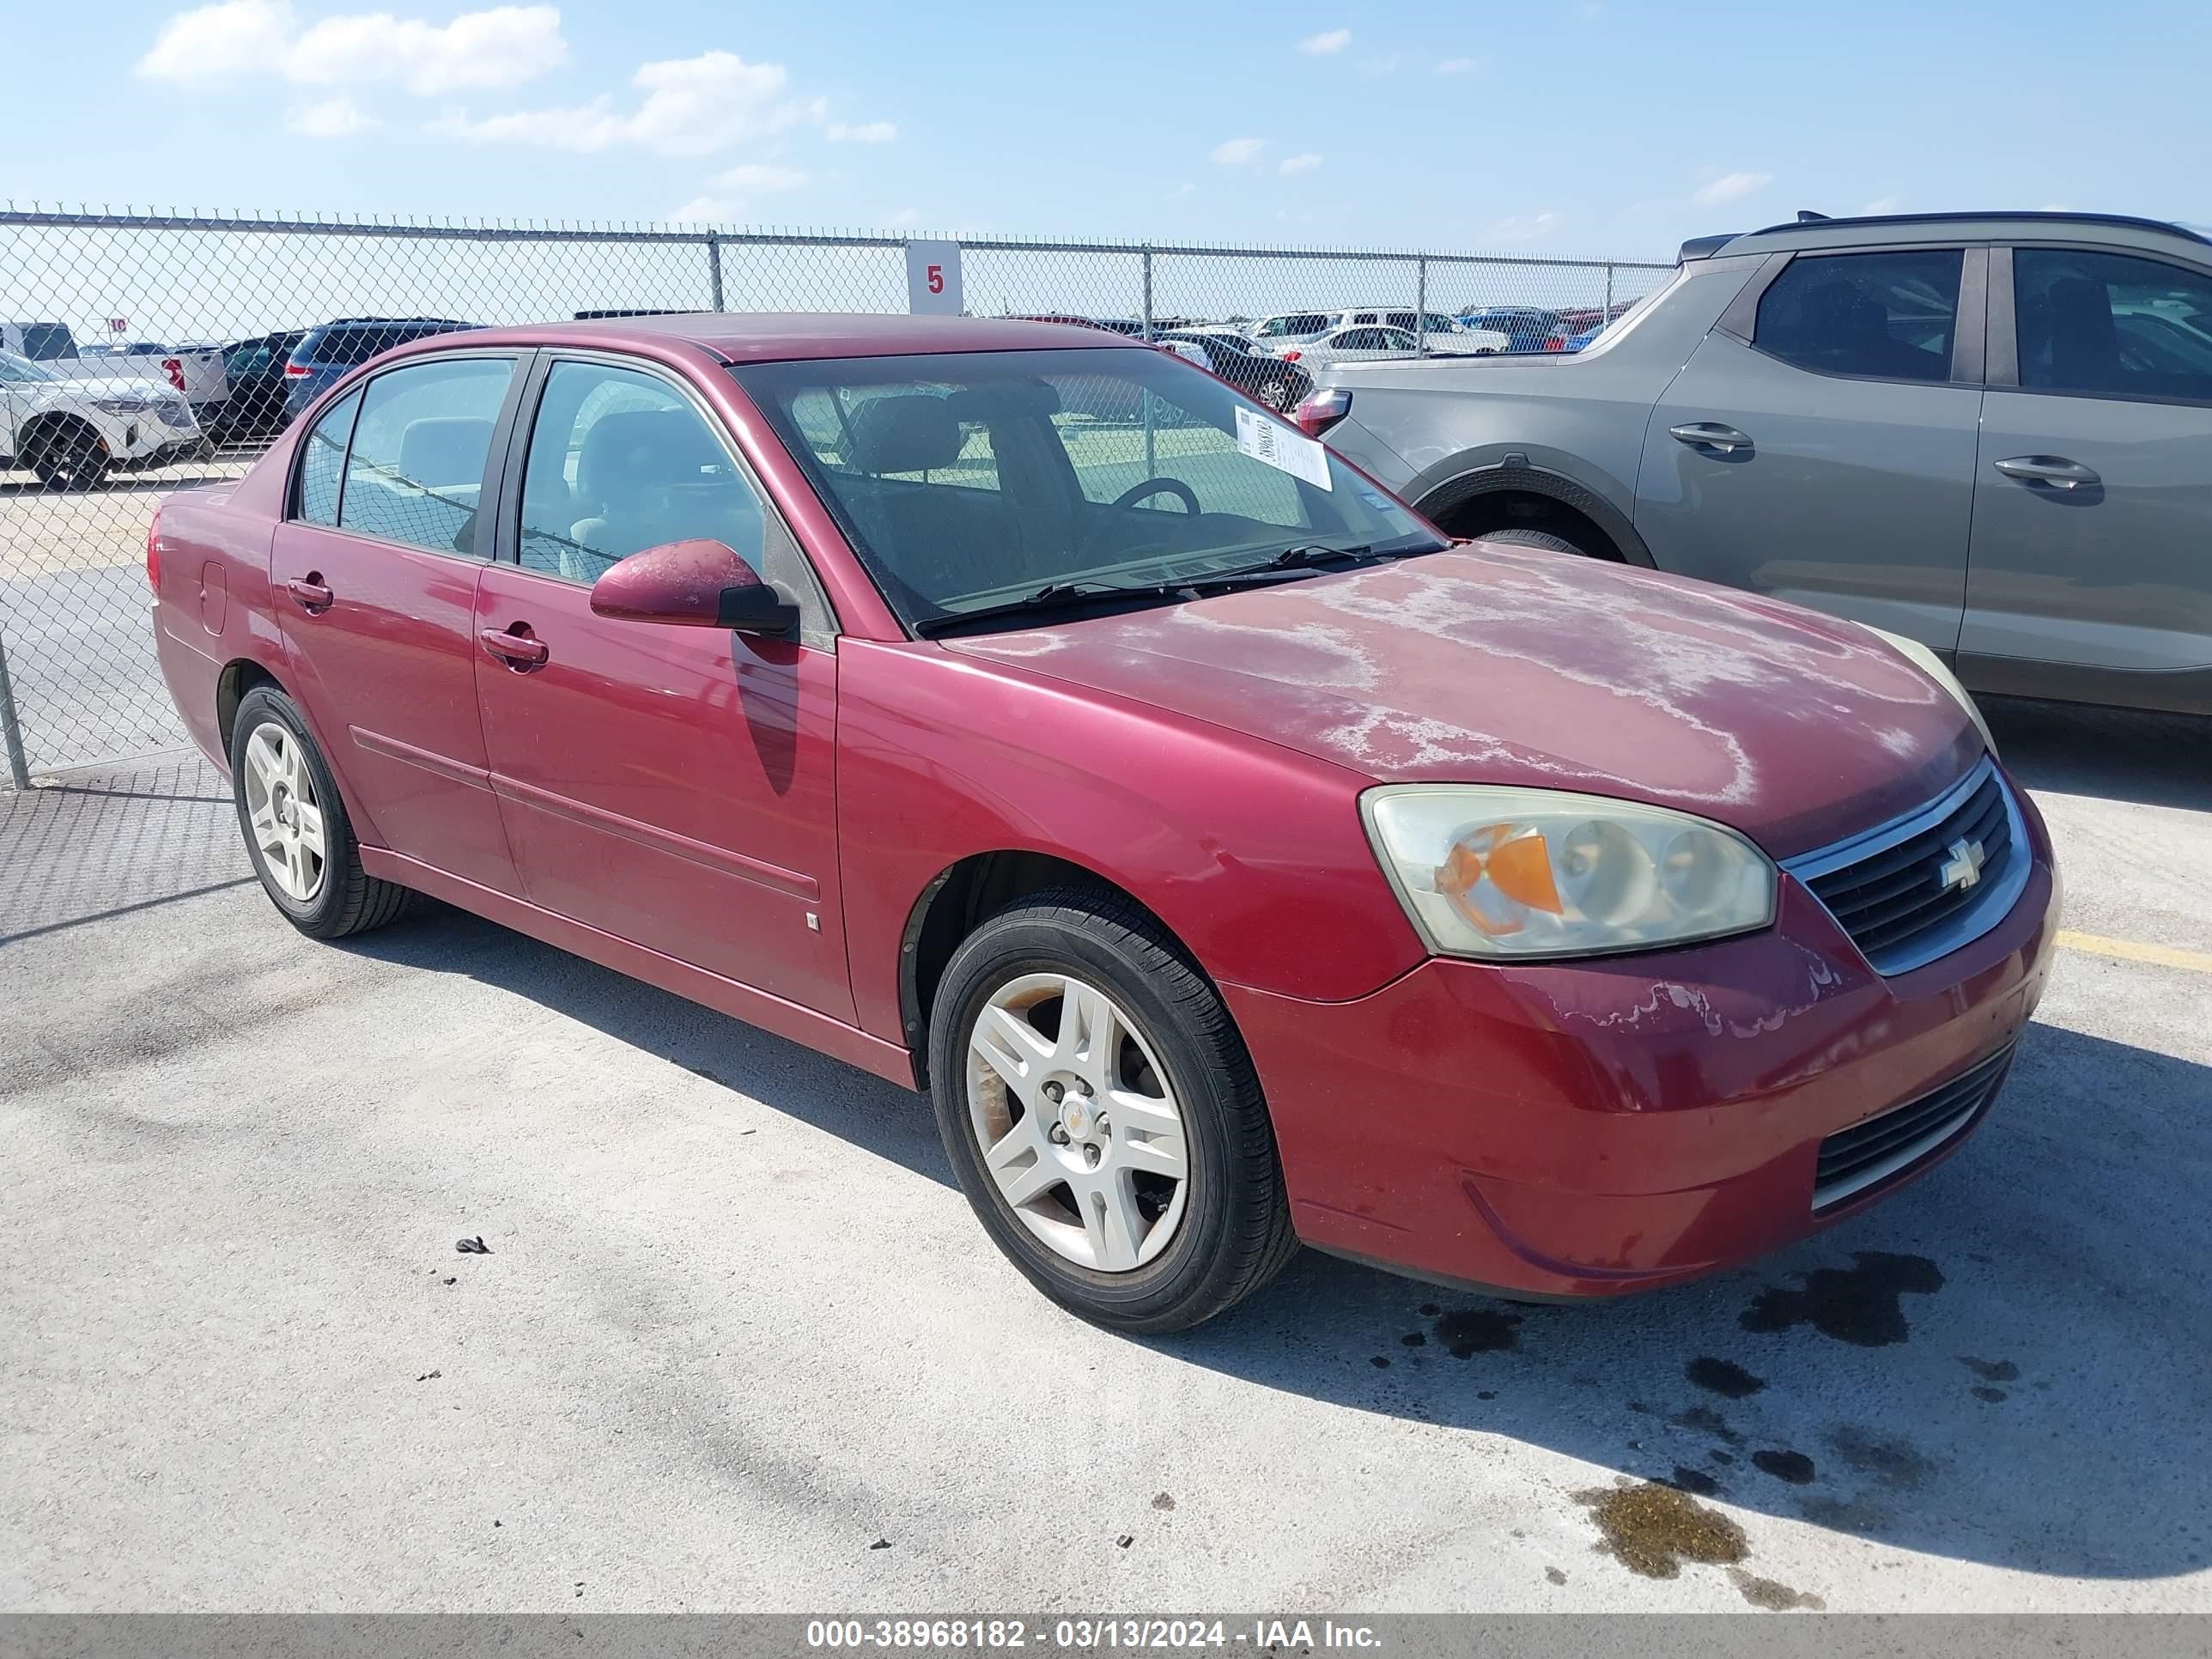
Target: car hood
{"points": [[122, 385], [1511, 665]]}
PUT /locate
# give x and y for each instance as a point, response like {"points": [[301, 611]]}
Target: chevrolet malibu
{"points": [[1026, 717]]}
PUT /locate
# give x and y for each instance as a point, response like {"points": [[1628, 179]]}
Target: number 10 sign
{"points": [[933, 278]]}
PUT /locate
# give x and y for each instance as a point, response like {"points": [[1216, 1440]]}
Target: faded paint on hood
{"points": [[1510, 665]]}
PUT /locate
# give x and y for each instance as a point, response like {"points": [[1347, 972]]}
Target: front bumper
{"points": [[1595, 1127]]}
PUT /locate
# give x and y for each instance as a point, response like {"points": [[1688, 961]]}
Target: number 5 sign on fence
{"points": [[933, 278]]}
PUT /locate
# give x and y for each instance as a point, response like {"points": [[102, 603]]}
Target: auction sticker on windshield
{"points": [[1269, 441]]}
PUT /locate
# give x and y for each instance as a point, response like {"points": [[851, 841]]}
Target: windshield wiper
{"points": [[1054, 596]]}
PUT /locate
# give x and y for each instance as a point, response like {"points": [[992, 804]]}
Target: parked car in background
{"points": [[256, 372], [1144, 810], [194, 370], [73, 432], [1297, 328], [1526, 328], [325, 352], [1963, 428], [1260, 375]]}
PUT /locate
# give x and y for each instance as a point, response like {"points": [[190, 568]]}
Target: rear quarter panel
{"points": [[1421, 424], [212, 605], [1252, 855]]}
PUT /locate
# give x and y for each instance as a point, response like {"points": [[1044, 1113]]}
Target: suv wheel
{"points": [[73, 458], [1102, 1115]]}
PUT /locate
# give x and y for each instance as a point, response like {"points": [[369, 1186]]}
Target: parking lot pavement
{"points": [[738, 1342]]}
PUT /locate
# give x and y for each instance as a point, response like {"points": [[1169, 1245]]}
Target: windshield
{"points": [[13, 367], [975, 479]]}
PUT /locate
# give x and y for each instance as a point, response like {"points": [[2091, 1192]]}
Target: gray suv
{"points": [[1990, 432]]}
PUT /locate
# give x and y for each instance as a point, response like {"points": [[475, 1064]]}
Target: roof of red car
{"points": [[769, 336]]}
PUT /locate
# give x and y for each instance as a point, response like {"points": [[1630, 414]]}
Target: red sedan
{"points": [[1024, 716]]}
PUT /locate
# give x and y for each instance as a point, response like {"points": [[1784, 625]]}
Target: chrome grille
{"points": [[1888, 1143], [1921, 887]]}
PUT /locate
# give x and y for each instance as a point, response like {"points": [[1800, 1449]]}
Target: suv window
{"points": [[320, 459], [2111, 325], [356, 343], [619, 462], [415, 469], [1887, 315]]}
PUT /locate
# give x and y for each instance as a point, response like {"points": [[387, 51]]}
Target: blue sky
{"points": [[1567, 127]]}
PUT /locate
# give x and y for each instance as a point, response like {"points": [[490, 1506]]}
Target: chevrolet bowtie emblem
{"points": [[1964, 868]]}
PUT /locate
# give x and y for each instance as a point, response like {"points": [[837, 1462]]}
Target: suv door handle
{"points": [[310, 592], [519, 651], [1710, 435], [2053, 470]]}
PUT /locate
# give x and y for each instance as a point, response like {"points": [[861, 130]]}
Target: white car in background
{"points": [[195, 370], [1367, 342], [73, 432], [1447, 336]]}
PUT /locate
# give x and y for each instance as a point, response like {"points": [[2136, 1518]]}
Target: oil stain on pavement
{"points": [[1723, 1377], [1860, 1304], [1470, 1331], [1653, 1529]]}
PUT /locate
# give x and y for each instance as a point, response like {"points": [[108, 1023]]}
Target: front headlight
{"points": [[121, 405], [1922, 658], [1507, 874]]}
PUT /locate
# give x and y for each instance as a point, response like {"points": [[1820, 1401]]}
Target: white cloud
{"points": [[1730, 186], [1453, 66], [868, 132], [1879, 204], [1238, 151], [1329, 41], [732, 192], [691, 107], [333, 117], [1521, 228], [1294, 164], [502, 46]]}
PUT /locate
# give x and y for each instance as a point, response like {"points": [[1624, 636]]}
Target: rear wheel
{"points": [[1546, 540], [295, 825], [1275, 392], [1102, 1115]]}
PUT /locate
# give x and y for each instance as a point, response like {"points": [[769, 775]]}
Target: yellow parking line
{"points": [[2127, 949]]}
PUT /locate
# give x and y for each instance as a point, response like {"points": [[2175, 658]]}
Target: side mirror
{"points": [[694, 583]]}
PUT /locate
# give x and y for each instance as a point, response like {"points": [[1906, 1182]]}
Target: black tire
{"points": [[1234, 1232], [72, 457], [348, 900], [1549, 541]]}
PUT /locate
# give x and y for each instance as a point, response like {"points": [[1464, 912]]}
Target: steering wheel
{"points": [[1129, 497]]}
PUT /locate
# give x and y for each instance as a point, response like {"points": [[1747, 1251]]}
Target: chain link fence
{"points": [[139, 352]]}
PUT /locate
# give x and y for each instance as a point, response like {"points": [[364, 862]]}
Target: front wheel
{"points": [[1102, 1115], [72, 458]]}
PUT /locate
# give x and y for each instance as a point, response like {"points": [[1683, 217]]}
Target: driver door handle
{"points": [[2054, 469], [516, 650], [1710, 435], [310, 593]]}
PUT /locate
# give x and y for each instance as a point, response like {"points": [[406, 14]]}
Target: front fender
{"points": [[1252, 853]]}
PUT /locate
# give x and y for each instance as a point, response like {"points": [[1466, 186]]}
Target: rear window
{"points": [[48, 342], [1887, 315]]}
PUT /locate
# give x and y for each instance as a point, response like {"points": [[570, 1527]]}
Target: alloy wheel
{"points": [[1078, 1125], [281, 806]]}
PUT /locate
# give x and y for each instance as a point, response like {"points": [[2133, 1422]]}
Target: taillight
{"points": [[299, 369], [1555, 343], [1321, 410], [1293, 356], [153, 552], [175, 371]]}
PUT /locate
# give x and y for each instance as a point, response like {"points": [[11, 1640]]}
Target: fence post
{"points": [[1607, 315], [12, 732], [1151, 457], [714, 267], [1421, 306]]}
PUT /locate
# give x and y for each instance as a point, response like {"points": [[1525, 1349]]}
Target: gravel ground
{"points": [[737, 1342]]}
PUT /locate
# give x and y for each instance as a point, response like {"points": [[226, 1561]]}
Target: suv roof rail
{"points": [[2043, 217]]}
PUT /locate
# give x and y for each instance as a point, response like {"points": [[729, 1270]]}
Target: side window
{"points": [[1270, 329], [620, 461], [2111, 325], [416, 466], [321, 458], [1887, 315]]}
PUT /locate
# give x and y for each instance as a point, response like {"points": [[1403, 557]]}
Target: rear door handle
{"points": [[1710, 435], [310, 592], [2053, 470], [516, 650]]}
